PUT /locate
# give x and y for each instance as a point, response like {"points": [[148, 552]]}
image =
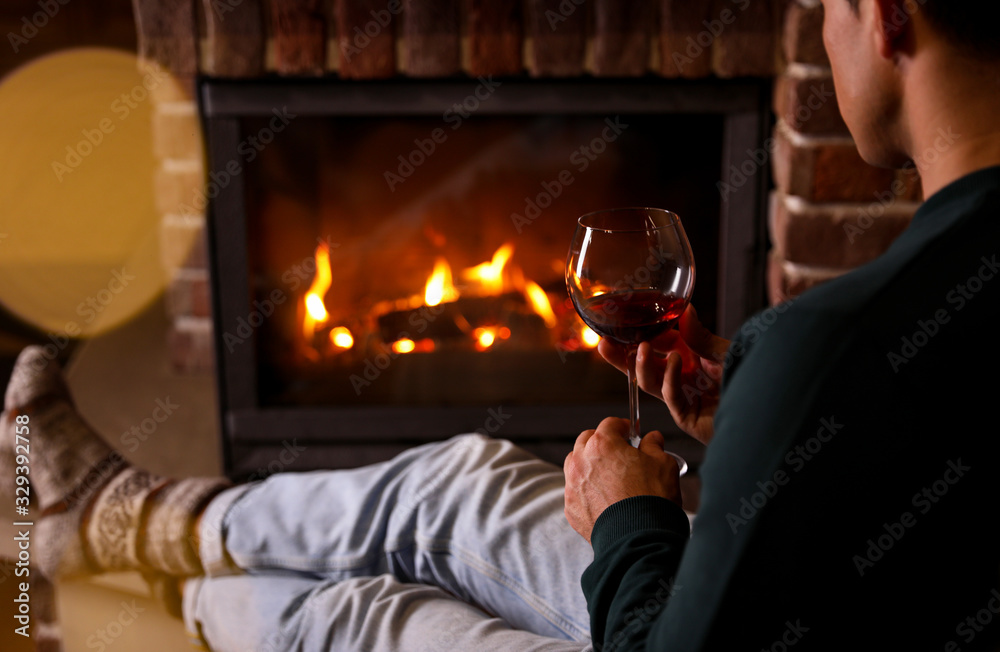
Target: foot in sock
{"points": [[99, 513]]}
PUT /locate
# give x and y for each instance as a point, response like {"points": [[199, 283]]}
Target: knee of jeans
{"points": [[467, 443], [469, 438], [477, 444]]}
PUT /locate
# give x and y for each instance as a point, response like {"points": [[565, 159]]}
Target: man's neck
{"points": [[954, 122]]}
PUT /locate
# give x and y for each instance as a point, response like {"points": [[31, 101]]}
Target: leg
{"points": [[366, 613], [98, 512], [475, 516]]}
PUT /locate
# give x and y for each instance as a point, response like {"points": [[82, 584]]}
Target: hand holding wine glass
{"points": [[683, 368], [630, 273]]}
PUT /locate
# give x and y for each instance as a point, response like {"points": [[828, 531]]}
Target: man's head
{"points": [[971, 25], [884, 54]]}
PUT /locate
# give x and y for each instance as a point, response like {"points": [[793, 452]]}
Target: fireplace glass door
{"points": [[393, 254]]}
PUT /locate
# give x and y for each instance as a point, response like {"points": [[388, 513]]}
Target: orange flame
{"points": [[492, 278], [439, 287], [315, 311], [490, 275], [540, 302]]}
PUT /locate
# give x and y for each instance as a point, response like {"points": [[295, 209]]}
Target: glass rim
{"points": [[673, 219]]}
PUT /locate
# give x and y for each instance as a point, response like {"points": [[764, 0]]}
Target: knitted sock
{"points": [[141, 521], [99, 513], [65, 454]]}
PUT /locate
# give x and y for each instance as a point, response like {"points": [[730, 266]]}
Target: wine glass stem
{"points": [[633, 395]]}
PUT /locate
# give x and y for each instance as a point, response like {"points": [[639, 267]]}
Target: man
{"points": [[848, 489], [846, 492]]}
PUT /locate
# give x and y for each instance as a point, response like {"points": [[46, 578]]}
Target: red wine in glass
{"points": [[630, 273], [630, 317]]}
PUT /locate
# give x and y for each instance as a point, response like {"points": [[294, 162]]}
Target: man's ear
{"points": [[894, 24]]}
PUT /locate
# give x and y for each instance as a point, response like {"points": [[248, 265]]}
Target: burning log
{"points": [[455, 322]]}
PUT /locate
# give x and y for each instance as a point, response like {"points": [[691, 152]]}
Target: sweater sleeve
{"points": [[637, 547]]}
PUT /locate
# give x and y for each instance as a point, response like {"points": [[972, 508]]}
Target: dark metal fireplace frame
{"points": [[337, 437]]}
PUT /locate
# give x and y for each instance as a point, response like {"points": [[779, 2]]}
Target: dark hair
{"points": [[969, 25]]}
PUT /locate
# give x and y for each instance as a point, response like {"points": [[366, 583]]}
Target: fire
{"points": [[404, 346], [315, 311], [590, 338], [540, 302], [490, 275], [439, 287], [341, 337], [475, 323], [485, 337], [315, 308]]}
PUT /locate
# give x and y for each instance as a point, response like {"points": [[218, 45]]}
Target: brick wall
{"points": [[829, 211]]}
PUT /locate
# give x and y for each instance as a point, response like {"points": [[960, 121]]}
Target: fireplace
{"points": [[387, 256], [339, 51]]}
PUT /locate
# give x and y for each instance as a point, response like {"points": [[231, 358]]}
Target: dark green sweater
{"points": [[849, 495]]}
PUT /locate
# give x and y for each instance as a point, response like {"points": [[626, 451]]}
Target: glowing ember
{"points": [[540, 302], [404, 346], [484, 338], [341, 338], [315, 311], [439, 287], [590, 338], [407, 345], [490, 275]]}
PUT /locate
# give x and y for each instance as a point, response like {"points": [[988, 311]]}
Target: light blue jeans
{"points": [[457, 545]]}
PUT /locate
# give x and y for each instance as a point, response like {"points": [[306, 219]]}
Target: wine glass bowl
{"points": [[630, 274]]}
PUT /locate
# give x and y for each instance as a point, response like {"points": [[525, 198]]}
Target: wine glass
{"points": [[630, 274]]}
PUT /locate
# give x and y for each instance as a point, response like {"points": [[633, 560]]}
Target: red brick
{"points": [[167, 34], [234, 38], [190, 346], [803, 34], [188, 294], [179, 188], [299, 28], [825, 169], [787, 280], [197, 257], [176, 131], [367, 49], [169, 88], [558, 37], [183, 243], [495, 37], [804, 98], [431, 38], [836, 235], [749, 46], [776, 291], [622, 33], [682, 53]]}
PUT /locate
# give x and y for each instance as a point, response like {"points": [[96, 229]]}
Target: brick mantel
{"points": [[829, 210]]}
